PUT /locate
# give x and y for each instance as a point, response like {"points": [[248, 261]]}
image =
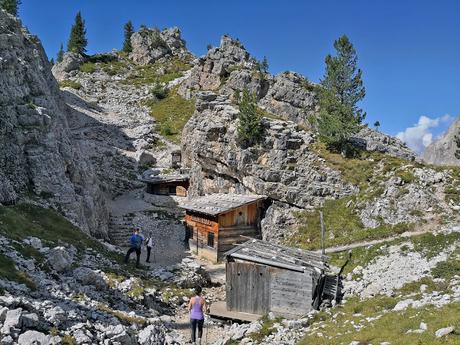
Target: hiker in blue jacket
{"points": [[136, 245]]}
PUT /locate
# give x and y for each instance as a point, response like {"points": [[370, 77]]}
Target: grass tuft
{"points": [[9, 271], [266, 330], [88, 67], [171, 114], [70, 83], [343, 226], [24, 220]]}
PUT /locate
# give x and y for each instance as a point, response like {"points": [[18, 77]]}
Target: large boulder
{"points": [[87, 276], [38, 338], [60, 259], [70, 62], [13, 321]]}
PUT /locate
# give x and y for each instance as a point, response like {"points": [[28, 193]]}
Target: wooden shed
{"points": [[215, 223], [262, 277], [167, 184]]}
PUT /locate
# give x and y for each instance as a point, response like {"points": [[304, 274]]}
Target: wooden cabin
{"points": [[262, 277], [167, 184], [215, 223]]}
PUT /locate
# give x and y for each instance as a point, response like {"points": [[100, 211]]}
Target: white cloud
{"points": [[419, 136]]}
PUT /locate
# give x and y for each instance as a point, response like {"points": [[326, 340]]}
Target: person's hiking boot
{"points": [[199, 341]]}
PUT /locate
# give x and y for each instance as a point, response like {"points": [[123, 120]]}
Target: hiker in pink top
{"points": [[197, 307]]}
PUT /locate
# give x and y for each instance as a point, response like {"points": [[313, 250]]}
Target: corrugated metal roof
{"points": [[278, 256], [215, 204]]}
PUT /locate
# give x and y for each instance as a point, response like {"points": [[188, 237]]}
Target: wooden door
{"points": [[248, 288]]}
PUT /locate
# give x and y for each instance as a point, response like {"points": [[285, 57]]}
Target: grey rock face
{"points": [[70, 62], [149, 45], [217, 64], [292, 97], [442, 151], [151, 335], [371, 140], [402, 202], [278, 218], [36, 150], [283, 167]]}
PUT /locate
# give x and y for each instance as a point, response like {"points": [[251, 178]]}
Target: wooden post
{"points": [[323, 233], [196, 241]]}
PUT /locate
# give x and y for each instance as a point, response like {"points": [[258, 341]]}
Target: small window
{"points": [[211, 239]]}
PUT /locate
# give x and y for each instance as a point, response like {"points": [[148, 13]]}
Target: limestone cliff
{"points": [[442, 151], [38, 158]]}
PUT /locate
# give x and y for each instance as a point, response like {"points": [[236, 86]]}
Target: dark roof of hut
{"points": [[160, 179], [270, 254], [215, 204]]}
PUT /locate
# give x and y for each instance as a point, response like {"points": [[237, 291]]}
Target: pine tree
{"points": [[129, 30], [52, 61], [377, 125], [60, 54], [264, 65], [341, 89], [10, 6], [250, 128], [77, 41]]}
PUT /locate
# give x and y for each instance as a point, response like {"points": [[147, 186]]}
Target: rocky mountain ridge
{"points": [[442, 151]]}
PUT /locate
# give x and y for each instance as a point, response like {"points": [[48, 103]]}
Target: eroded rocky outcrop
{"points": [[37, 154], [283, 167], [70, 62], [229, 68], [371, 140], [150, 45], [442, 151]]}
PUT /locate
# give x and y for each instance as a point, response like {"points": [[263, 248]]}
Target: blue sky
{"points": [[408, 50]]}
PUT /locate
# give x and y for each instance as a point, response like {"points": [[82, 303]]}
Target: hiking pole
{"points": [[206, 330]]}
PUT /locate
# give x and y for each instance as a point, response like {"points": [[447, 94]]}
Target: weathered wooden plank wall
{"points": [[228, 237], [247, 288], [290, 292], [258, 289]]}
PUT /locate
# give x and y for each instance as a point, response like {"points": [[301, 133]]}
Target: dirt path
{"points": [[406, 234], [154, 214]]}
